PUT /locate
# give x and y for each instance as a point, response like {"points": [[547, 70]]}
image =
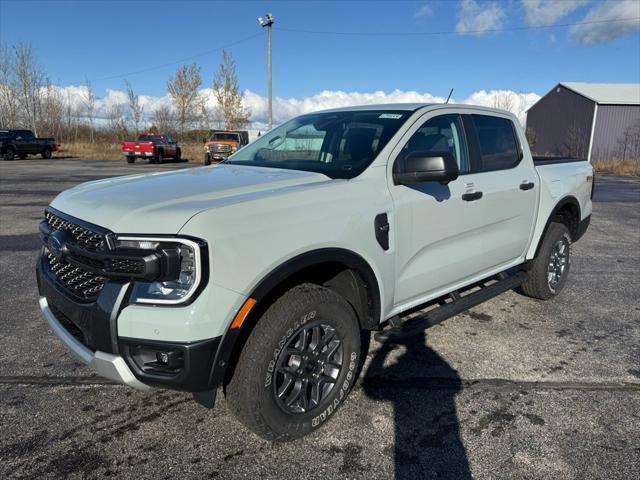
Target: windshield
{"points": [[149, 138], [231, 137], [337, 144]]}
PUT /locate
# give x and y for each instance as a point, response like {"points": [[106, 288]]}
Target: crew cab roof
{"points": [[411, 107]]}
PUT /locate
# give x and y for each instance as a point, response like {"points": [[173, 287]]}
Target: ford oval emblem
{"points": [[56, 244]]}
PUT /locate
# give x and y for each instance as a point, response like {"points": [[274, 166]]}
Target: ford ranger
{"points": [[155, 147], [263, 274]]}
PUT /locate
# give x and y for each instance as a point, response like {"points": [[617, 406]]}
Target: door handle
{"points": [[470, 197], [527, 185]]}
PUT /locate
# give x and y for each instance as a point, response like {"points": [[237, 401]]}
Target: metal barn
{"points": [[596, 121]]}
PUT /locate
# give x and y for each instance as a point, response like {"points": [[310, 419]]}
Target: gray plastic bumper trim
{"points": [[104, 364]]}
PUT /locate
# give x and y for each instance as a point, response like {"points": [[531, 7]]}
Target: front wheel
{"points": [[550, 269], [207, 159], [178, 155], [298, 364], [46, 153]]}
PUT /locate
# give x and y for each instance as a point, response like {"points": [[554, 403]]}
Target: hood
{"points": [[161, 203]]}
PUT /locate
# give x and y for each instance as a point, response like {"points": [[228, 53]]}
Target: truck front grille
{"points": [[83, 237], [221, 148], [80, 283]]}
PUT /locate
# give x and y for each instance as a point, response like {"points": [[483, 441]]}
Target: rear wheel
{"points": [[46, 152], [160, 158], [298, 364], [550, 269], [131, 159], [22, 156]]}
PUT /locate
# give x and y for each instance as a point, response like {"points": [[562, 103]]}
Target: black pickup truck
{"points": [[20, 143]]}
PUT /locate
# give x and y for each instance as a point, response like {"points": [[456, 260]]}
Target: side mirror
{"points": [[418, 167]]}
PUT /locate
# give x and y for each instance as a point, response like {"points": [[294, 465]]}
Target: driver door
{"points": [[436, 246]]}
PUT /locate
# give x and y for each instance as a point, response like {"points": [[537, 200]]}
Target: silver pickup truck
{"points": [[263, 274]]}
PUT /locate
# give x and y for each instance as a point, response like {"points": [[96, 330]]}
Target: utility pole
{"points": [[267, 23]]}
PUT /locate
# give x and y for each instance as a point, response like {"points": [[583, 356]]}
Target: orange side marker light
{"points": [[243, 313]]}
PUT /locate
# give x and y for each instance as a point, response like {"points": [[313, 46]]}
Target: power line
{"points": [[157, 67], [454, 32]]}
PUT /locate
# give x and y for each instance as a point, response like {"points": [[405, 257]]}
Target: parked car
{"points": [[21, 143], [222, 143], [263, 273], [155, 147]]}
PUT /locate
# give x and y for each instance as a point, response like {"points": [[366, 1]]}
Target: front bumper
{"points": [[104, 364], [90, 331]]}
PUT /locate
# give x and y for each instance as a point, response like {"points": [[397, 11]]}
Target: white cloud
{"points": [[476, 18], [286, 108], [624, 16], [548, 12], [425, 10]]}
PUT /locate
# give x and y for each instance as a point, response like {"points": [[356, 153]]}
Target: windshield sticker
{"points": [[394, 116]]}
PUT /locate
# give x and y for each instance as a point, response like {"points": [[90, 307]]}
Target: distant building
{"points": [[596, 121]]}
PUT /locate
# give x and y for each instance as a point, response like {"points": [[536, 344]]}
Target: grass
{"points": [[627, 168], [112, 151]]}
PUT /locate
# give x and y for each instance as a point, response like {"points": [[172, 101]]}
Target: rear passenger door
{"points": [[509, 186]]}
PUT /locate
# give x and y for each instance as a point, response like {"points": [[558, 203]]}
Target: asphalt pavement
{"points": [[514, 388]]}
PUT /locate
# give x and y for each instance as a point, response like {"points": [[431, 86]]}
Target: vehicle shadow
{"points": [[427, 435]]}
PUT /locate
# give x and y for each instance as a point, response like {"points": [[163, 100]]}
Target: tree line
{"points": [[28, 99]]}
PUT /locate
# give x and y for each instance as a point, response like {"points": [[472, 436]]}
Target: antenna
{"points": [[449, 97]]}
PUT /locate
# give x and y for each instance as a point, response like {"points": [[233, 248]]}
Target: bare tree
{"points": [[116, 121], [577, 142], [628, 143], [8, 95], [163, 119], [530, 133], [51, 120], [230, 111], [89, 101], [504, 101], [183, 90], [28, 80], [135, 108]]}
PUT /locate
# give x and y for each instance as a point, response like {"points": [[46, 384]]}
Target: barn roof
{"points": [[607, 93]]}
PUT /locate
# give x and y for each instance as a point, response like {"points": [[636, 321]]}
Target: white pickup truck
{"points": [[263, 274]]}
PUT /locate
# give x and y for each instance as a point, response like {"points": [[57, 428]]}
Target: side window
{"points": [[497, 140], [440, 134]]}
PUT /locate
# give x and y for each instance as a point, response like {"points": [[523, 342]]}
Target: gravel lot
{"points": [[514, 388]]}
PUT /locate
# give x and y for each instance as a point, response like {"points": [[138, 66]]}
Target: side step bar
{"points": [[457, 304]]}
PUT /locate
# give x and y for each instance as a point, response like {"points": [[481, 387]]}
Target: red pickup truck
{"points": [[155, 147]]}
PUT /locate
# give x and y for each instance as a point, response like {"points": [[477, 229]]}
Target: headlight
{"points": [[183, 275]]}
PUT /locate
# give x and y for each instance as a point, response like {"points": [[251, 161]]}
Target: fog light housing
{"points": [[153, 360]]}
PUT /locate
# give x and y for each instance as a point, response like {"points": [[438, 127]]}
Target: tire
{"points": [[178, 155], [23, 156], [131, 159], [207, 159], [9, 153], [277, 344], [46, 152], [160, 158], [550, 269]]}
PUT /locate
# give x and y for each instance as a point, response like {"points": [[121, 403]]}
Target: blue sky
{"points": [[75, 40]]}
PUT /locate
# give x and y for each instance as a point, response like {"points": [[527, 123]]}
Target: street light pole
{"points": [[267, 23]]}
